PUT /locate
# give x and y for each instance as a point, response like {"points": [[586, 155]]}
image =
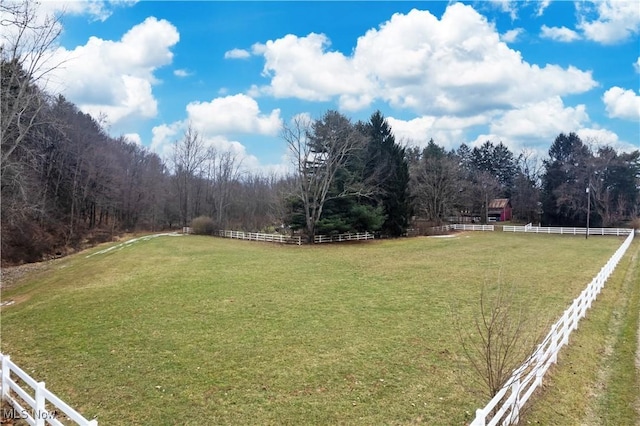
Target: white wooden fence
{"points": [[504, 408], [38, 399], [278, 238], [256, 236], [343, 237], [567, 230], [465, 227]]}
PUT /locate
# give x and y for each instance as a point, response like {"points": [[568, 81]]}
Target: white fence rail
{"points": [[504, 408], [38, 399], [567, 230], [343, 237], [277, 238], [465, 227], [256, 236]]}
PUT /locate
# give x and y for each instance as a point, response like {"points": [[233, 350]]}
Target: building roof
{"points": [[498, 203]]}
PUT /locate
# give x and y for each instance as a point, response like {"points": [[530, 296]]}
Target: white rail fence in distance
{"points": [[567, 230], [256, 236], [505, 407], [38, 399], [465, 227], [278, 238], [359, 236]]}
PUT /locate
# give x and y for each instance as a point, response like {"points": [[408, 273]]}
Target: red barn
{"points": [[499, 210]]}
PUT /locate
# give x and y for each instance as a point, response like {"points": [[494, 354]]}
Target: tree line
{"points": [[65, 182], [354, 177]]}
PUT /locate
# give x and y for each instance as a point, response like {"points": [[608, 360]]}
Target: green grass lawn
{"points": [[597, 380], [201, 330]]}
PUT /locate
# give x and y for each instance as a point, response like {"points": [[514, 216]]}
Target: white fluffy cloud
{"points": [[636, 65], [302, 67], [511, 35], [616, 21], [165, 136], [542, 120], [598, 137], [622, 103], [182, 73], [133, 137], [542, 6], [216, 122], [97, 10], [507, 6], [455, 65], [236, 54], [562, 34], [116, 77], [539, 121], [233, 114], [446, 131], [534, 125]]}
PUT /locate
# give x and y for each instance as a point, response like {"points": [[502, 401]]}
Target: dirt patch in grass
{"points": [[14, 300], [10, 276]]}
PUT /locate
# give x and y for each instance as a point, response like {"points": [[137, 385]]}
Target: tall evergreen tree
{"points": [[565, 181], [387, 170], [498, 161]]}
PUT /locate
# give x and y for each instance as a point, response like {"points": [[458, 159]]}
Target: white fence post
{"points": [[514, 416], [40, 413], [5, 376], [481, 418]]}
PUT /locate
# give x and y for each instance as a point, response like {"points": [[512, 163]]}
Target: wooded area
{"points": [[65, 182]]}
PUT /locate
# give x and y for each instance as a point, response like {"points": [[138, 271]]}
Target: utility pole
{"points": [[586, 235], [486, 207]]}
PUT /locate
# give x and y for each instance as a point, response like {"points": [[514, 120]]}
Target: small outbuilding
{"points": [[499, 210]]}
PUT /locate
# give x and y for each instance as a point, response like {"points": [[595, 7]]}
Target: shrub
{"points": [[635, 223], [25, 242], [203, 225]]}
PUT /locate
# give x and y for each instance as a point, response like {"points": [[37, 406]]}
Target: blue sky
{"points": [[519, 72]]}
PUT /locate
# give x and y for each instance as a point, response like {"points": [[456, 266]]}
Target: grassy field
{"points": [[597, 378], [200, 330]]}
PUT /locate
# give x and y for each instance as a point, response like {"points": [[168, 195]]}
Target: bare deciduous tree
{"points": [[188, 158], [226, 171], [434, 186], [503, 337], [25, 54], [526, 188], [319, 150]]}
